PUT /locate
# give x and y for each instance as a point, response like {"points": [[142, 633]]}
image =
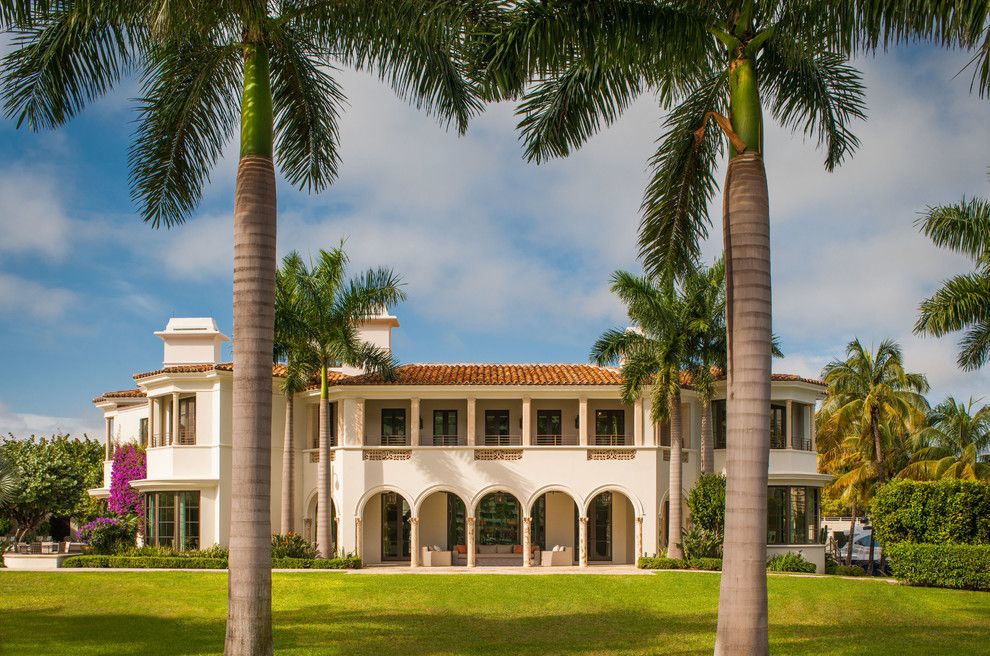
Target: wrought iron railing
{"points": [[503, 440], [394, 440], [610, 440], [447, 440]]}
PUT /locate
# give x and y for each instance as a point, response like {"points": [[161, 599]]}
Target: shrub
{"points": [[701, 543], [648, 562], [707, 564], [939, 512], [128, 465], [107, 535], [961, 566], [790, 562], [346, 562], [291, 545], [706, 502], [145, 562], [847, 570], [216, 551]]}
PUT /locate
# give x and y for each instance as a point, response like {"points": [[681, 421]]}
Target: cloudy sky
{"points": [[503, 261]]}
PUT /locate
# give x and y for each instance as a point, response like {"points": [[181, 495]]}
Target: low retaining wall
{"points": [[35, 562]]}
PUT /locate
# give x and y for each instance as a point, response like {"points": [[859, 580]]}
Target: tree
{"points": [[652, 355], [952, 444], [721, 61], [8, 480], [200, 64], [963, 301], [53, 477], [330, 311]]}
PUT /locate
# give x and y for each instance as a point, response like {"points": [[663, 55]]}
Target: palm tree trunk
{"points": [[288, 469], [742, 612], [249, 614], [852, 535], [877, 448], [674, 520], [869, 566], [707, 439], [324, 539]]}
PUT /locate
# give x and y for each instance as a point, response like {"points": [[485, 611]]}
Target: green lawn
{"points": [[81, 613]]}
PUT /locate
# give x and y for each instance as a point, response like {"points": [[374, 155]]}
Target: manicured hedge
{"points": [[962, 566], [709, 564], [790, 562], [653, 562], [161, 562], [145, 562], [940, 512]]}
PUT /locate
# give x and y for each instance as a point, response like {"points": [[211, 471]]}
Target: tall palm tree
{"points": [[653, 354], [717, 60], [952, 444], [963, 301], [203, 65], [331, 309], [869, 388]]}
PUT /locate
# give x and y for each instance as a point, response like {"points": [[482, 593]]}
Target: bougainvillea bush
{"points": [[129, 464], [107, 535]]}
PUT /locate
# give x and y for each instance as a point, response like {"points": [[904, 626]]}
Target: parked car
{"points": [[861, 549]]}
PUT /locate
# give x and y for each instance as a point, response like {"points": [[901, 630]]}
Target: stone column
{"points": [[788, 425], [358, 539], [414, 541], [583, 539], [359, 420], [527, 541], [175, 418], [583, 421], [639, 539], [638, 422], [472, 428], [527, 423], [414, 422], [471, 557], [151, 422], [108, 430], [339, 538]]}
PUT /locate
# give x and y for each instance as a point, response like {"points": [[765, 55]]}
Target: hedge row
{"points": [[161, 562], [961, 566], [939, 512], [709, 564]]}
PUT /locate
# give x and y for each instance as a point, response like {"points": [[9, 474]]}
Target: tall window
{"points": [[539, 526], [600, 527], [800, 435], [456, 514], [549, 427], [143, 431], [718, 423], [395, 527], [187, 420], [109, 446], [496, 427], [793, 515], [393, 426], [445, 428], [778, 423], [610, 427], [172, 520]]}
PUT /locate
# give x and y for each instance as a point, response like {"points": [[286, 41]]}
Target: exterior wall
{"points": [[433, 521], [814, 553]]}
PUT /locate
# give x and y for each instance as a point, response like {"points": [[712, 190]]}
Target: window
{"points": [[793, 515], [187, 420], [496, 427], [718, 423], [538, 528], [610, 427], [600, 527], [314, 424], [800, 436], [109, 446], [456, 514], [445, 428], [549, 428], [499, 517], [393, 426], [395, 527], [143, 431], [778, 422], [172, 520]]}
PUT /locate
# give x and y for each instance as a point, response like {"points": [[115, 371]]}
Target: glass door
{"points": [[600, 528], [548, 428], [610, 427], [496, 427], [445, 428], [395, 527]]}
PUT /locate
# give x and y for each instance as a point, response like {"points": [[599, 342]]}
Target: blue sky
{"points": [[503, 261]]}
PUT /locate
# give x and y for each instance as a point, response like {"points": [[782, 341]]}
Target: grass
{"points": [[124, 613]]}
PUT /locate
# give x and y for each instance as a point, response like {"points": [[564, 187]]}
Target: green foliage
{"points": [[146, 562], [292, 546], [846, 570], [948, 511], [701, 543], [154, 551], [343, 562], [951, 443], [790, 562], [962, 566], [707, 564], [706, 502], [659, 562], [54, 475], [108, 535], [215, 551]]}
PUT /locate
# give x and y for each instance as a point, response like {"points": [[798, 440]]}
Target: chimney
{"points": [[376, 330], [191, 340]]}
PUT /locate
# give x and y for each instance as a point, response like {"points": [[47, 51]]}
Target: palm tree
{"points": [[869, 388], [200, 64], [963, 301], [952, 444], [8, 480], [331, 308], [722, 60], [653, 354]]}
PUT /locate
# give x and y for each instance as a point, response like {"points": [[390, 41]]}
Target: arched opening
{"points": [[498, 529], [554, 523], [386, 528], [312, 518], [442, 524], [611, 529]]}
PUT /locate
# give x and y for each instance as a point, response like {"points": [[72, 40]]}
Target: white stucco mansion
{"points": [[476, 459]]}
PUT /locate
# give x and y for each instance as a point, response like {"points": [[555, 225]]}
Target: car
{"points": [[861, 549]]}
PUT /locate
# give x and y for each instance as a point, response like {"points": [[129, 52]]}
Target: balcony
{"points": [[448, 440], [502, 440], [556, 440], [612, 440], [185, 437]]}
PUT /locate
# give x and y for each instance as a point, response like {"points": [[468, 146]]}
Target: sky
{"points": [[503, 261]]}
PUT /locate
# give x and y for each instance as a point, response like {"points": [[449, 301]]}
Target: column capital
{"points": [[414, 520], [527, 521], [584, 520], [470, 520]]}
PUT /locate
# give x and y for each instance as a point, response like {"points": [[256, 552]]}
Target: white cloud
{"points": [[24, 424], [32, 218], [20, 295]]}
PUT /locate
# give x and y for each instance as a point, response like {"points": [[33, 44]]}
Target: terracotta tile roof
{"points": [[120, 394], [792, 378], [494, 374], [277, 369]]}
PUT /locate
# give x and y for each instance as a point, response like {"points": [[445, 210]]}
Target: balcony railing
{"points": [[447, 440], [502, 440], [556, 440], [394, 440], [802, 443], [187, 436], [610, 440]]}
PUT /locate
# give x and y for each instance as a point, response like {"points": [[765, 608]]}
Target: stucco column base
{"points": [[414, 541], [358, 539], [471, 556], [639, 540], [527, 541], [583, 539]]}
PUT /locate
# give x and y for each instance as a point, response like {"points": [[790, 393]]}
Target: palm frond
{"points": [[962, 300], [962, 227]]}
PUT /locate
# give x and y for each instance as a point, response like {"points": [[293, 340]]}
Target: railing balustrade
{"points": [[610, 440], [802, 443], [447, 440], [394, 440], [187, 436], [503, 440]]}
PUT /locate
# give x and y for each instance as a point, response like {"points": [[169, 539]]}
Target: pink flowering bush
{"points": [[107, 535], [129, 464]]}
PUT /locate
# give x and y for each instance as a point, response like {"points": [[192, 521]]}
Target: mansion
{"points": [[479, 463]]}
